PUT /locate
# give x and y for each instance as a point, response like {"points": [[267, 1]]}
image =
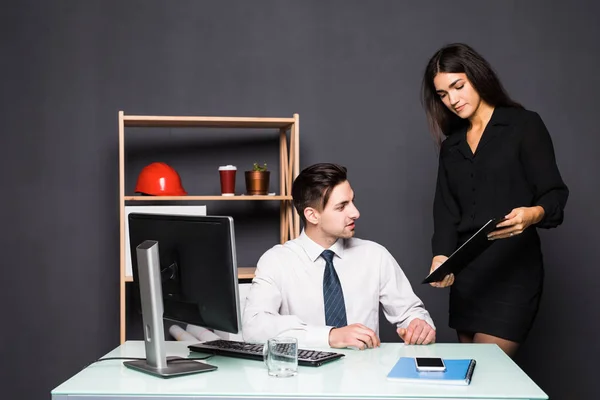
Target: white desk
{"points": [[359, 375]]}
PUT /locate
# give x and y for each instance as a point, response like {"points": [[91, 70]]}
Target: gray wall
{"points": [[351, 70]]}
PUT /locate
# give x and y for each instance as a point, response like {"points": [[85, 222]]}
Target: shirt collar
{"points": [[314, 250], [500, 117]]}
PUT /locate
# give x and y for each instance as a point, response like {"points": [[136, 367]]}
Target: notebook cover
{"points": [[466, 253], [458, 372]]}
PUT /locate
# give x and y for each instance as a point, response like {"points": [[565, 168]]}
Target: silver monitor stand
{"points": [[156, 362]]}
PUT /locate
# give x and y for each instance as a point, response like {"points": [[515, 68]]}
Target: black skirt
{"points": [[499, 292]]}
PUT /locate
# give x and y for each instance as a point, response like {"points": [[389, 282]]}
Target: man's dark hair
{"points": [[313, 186]]}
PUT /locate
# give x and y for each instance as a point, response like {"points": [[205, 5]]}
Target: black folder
{"points": [[466, 253]]}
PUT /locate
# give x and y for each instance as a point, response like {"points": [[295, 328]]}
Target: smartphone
{"points": [[426, 364]]}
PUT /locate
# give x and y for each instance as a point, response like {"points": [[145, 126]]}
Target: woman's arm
{"points": [[541, 171]]}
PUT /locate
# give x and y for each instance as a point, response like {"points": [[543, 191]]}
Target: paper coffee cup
{"points": [[227, 174]]}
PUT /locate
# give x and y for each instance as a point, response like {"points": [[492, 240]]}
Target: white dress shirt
{"points": [[286, 296]]}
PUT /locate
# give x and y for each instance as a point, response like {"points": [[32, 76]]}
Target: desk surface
{"points": [[359, 375]]}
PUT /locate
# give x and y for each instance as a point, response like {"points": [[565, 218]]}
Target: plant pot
{"points": [[257, 182]]}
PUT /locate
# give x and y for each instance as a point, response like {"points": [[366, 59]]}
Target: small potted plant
{"points": [[257, 180]]}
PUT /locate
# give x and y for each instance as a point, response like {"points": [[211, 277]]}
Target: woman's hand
{"points": [[448, 279], [517, 221]]}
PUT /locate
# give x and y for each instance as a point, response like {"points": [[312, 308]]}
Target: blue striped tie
{"points": [[335, 309]]}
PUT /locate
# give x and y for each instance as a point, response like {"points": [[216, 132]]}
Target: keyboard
{"points": [[253, 351]]}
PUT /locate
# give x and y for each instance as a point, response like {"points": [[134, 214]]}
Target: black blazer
{"points": [[513, 166]]}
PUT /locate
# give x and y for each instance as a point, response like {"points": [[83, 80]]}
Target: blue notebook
{"points": [[458, 372]]}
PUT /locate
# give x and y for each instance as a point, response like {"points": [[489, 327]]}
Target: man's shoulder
{"points": [[287, 248], [357, 243]]}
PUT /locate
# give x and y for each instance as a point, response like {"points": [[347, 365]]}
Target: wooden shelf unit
{"points": [[243, 273], [206, 198], [288, 167]]}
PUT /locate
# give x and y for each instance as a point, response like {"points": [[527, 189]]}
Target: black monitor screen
{"points": [[198, 267]]}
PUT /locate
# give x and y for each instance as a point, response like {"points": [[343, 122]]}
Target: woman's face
{"points": [[457, 93]]}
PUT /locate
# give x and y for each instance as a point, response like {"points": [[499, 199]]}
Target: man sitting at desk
{"points": [[324, 288]]}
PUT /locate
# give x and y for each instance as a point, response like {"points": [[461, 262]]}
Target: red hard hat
{"points": [[159, 179]]}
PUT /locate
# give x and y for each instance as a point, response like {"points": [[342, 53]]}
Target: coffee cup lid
{"points": [[227, 168]]}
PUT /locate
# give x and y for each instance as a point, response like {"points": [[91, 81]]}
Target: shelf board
{"points": [[205, 198], [205, 122], [246, 272], [243, 273]]}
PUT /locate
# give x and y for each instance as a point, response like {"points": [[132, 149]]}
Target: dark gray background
{"points": [[352, 71]]}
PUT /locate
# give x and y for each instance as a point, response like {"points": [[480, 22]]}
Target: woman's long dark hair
{"points": [[459, 58]]}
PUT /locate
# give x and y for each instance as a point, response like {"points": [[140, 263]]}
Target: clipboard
{"points": [[466, 253]]}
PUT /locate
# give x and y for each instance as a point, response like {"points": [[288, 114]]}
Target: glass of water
{"points": [[281, 356]]}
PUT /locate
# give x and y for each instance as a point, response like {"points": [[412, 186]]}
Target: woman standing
{"points": [[497, 160]]}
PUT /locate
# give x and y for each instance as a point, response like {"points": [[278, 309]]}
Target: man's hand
{"points": [[517, 221], [355, 335], [418, 332], [448, 279]]}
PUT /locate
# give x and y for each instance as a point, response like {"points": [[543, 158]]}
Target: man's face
{"points": [[337, 218]]}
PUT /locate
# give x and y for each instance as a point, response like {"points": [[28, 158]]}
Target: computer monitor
{"points": [[184, 270]]}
